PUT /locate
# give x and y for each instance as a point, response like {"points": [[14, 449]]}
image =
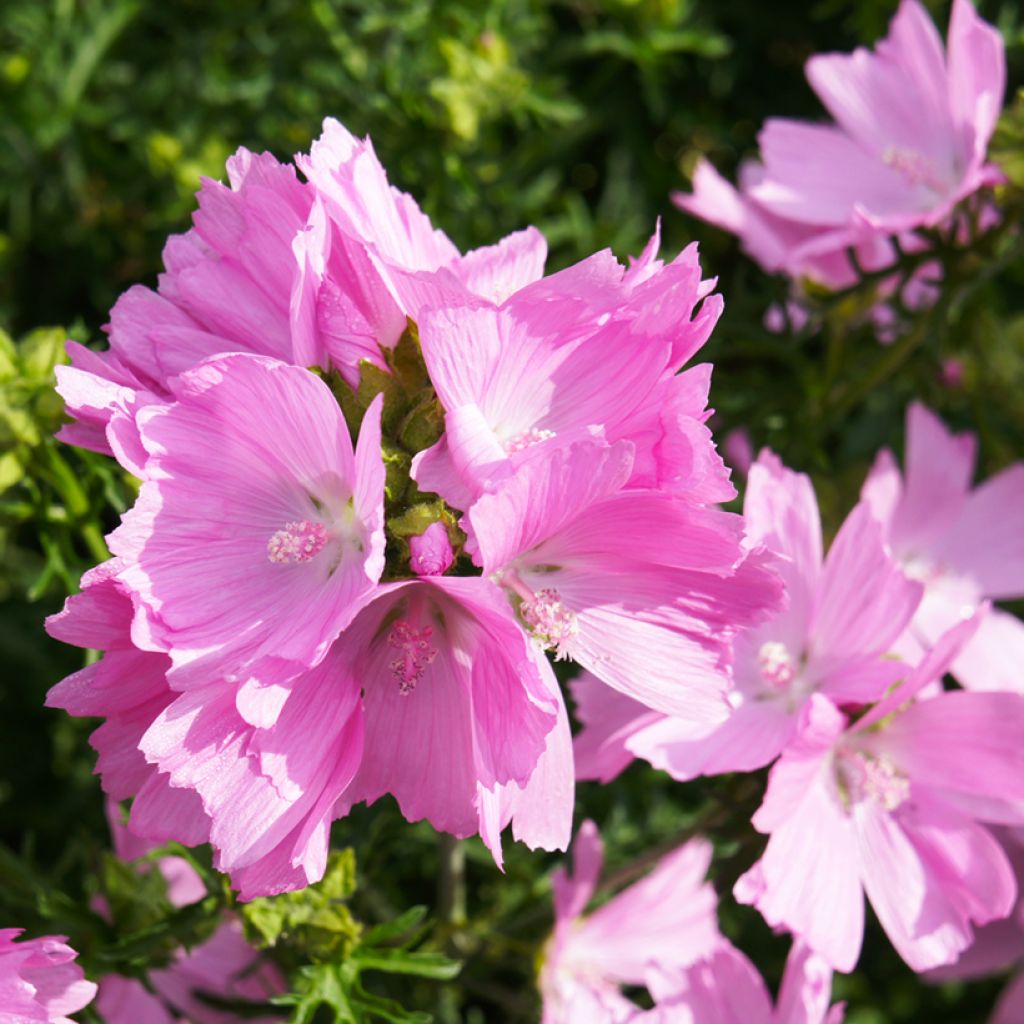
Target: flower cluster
{"points": [[883, 782], [384, 485], [379, 478]]}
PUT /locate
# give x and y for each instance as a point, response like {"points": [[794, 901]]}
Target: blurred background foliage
{"points": [[579, 116]]}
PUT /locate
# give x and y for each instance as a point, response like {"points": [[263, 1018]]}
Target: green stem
{"points": [[451, 882]]}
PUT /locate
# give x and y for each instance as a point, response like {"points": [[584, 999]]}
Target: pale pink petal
{"points": [[806, 990], [723, 988], [753, 735], [896, 97], [928, 874], [667, 918], [993, 659], [811, 888], [986, 543], [818, 175], [977, 77], [939, 467], [781, 511], [864, 601], [609, 720], [496, 272], [128, 1001]]}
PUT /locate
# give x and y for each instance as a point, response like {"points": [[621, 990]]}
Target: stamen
{"points": [[527, 439], [867, 777], [297, 542], [777, 668], [918, 169], [417, 653], [549, 621]]}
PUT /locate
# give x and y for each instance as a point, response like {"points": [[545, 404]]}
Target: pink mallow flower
{"points": [[258, 532], [433, 694], [665, 922], [226, 288], [638, 586], [842, 616], [965, 545], [912, 128], [38, 981], [891, 806], [594, 351], [725, 988]]}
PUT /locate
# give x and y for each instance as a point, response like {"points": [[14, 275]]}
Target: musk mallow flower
{"points": [[639, 587], [258, 530], [964, 544], [597, 354], [724, 987], [665, 921], [894, 806], [912, 126], [432, 694], [843, 614], [39, 982]]}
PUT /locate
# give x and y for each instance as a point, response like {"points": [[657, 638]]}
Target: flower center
{"points": [[416, 652], [297, 542], [867, 777], [776, 665], [917, 169], [527, 439], [549, 621]]}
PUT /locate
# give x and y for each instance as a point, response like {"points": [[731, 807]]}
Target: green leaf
{"points": [[41, 351]]}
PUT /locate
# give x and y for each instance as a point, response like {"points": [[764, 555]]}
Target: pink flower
{"points": [[725, 988], [227, 287], [258, 532], [38, 981], [639, 587], [432, 694], [843, 614], [890, 806], [592, 352], [666, 921], [912, 128], [965, 545]]}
